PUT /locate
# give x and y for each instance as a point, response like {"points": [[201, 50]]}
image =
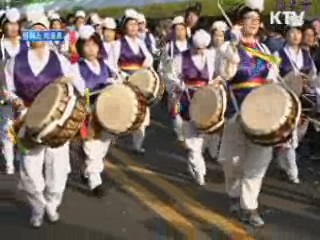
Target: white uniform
{"points": [[193, 139], [6, 111], [135, 45], [95, 149], [44, 191], [165, 66], [286, 154], [244, 162]]}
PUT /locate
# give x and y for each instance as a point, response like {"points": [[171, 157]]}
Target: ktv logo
{"points": [[291, 18]]}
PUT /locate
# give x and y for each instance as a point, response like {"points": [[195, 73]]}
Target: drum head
{"points": [[145, 80], [44, 106], [116, 108], [206, 106], [294, 82], [266, 109]]}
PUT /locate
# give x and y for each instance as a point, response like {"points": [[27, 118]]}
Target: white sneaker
{"points": [[294, 180], [200, 179], [36, 219], [10, 170], [139, 150], [52, 215]]}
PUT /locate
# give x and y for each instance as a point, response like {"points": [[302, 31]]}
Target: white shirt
{"points": [[80, 83], [135, 45], [108, 47], [12, 50], [143, 35], [36, 65]]}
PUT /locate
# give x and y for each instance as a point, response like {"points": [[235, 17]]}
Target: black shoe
{"points": [[98, 191], [84, 179]]}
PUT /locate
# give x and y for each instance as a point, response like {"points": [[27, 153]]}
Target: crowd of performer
{"points": [[101, 52]]}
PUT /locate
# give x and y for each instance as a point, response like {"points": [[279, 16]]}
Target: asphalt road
{"points": [[152, 197]]}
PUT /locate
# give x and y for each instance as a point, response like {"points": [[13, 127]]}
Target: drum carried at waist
{"points": [[207, 108], [55, 116], [149, 84], [120, 109], [269, 114]]}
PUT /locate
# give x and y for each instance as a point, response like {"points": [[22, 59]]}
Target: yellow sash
{"points": [[268, 58]]}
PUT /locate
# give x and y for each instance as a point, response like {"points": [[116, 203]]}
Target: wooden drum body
{"points": [[269, 114], [149, 84], [120, 109], [207, 108], [56, 115]]}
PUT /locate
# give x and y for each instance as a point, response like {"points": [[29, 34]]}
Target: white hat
{"points": [[80, 14], [220, 26], [178, 20], [13, 15], [254, 5], [2, 12], [86, 31], [201, 39], [42, 20], [129, 14], [109, 23], [33, 12], [95, 19], [54, 16], [141, 18]]}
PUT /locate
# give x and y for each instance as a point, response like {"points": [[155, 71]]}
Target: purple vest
{"points": [[26, 83], [93, 81], [148, 41], [129, 59], [176, 50], [103, 52], [286, 67], [190, 74], [23, 46], [189, 70]]}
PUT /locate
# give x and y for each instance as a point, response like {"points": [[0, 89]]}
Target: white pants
{"points": [[177, 125], [286, 154], [44, 173], [138, 136], [7, 146], [96, 150], [194, 143], [212, 143], [244, 164]]}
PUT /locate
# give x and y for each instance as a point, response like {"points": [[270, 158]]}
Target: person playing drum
{"points": [[92, 73], [44, 170], [244, 162], [69, 47], [130, 54], [299, 62], [10, 45], [56, 24], [218, 29], [174, 47], [193, 69], [109, 30]]}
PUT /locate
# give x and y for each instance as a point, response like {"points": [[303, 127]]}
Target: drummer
{"points": [[56, 24], [174, 47], [245, 163], [69, 48], [145, 35], [129, 54], [26, 75], [218, 30], [92, 73], [192, 69], [296, 59], [109, 30], [10, 45]]}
